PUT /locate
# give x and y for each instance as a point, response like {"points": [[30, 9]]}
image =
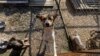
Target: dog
{"points": [[18, 44], [13, 43], [76, 42], [94, 41], [49, 33]]}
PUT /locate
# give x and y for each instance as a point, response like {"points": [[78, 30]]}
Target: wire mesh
{"points": [[85, 19]]}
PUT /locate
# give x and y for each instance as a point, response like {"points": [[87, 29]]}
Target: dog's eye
{"points": [[50, 18], [42, 18]]}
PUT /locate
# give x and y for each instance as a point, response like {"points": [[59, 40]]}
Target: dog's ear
{"points": [[42, 17], [38, 16], [92, 33], [54, 14], [12, 39]]}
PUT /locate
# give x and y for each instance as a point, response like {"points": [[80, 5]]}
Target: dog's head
{"points": [[47, 19], [15, 43]]}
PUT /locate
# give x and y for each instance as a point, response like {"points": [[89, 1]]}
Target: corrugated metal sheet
{"points": [[86, 4], [41, 2]]}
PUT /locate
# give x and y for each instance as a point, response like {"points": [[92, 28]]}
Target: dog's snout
{"points": [[47, 24]]}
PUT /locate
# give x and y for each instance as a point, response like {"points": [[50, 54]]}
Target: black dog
{"points": [[17, 44], [13, 43]]}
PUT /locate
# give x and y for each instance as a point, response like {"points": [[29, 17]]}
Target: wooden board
{"points": [[41, 3], [90, 51], [93, 52], [78, 54]]}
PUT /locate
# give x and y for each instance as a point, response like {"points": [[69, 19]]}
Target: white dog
{"points": [[49, 33], [76, 42]]}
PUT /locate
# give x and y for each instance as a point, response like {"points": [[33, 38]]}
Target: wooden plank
{"points": [[93, 52], [90, 51], [78, 54], [41, 3]]}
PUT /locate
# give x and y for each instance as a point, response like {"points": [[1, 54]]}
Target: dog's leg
{"points": [[26, 43], [54, 43]]}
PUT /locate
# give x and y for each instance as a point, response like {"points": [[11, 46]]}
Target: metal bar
{"points": [[32, 22], [13, 2], [60, 13]]}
